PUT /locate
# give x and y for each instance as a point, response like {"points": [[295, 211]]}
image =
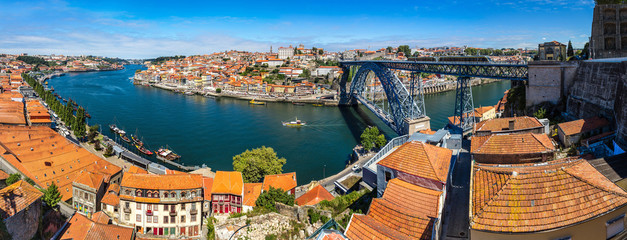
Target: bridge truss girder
{"points": [[464, 105], [401, 104]]}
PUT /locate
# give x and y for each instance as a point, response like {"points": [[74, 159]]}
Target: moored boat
{"points": [[256, 102], [167, 154], [318, 104], [298, 104], [114, 128], [136, 140], [295, 123], [124, 137], [143, 150]]}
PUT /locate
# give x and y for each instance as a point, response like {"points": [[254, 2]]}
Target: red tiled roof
{"points": [[502, 124], [82, 228], [511, 144], [16, 197], [228, 182], [540, 197], [314, 196], [207, 185], [3, 175], [396, 214], [251, 193], [285, 181], [111, 199], [420, 159], [100, 217], [582, 125], [92, 180], [161, 182]]}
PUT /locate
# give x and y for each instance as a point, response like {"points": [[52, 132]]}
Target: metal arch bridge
{"points": [[400, 104]]}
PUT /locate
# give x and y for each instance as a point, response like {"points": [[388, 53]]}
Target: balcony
{"points": [[172, 213], [148, 212], [193, 212], [127, 210]]}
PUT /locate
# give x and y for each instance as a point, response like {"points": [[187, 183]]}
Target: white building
{"points": [[286, 52]]}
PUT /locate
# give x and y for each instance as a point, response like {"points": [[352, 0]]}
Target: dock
{"points": [[145, 163]]}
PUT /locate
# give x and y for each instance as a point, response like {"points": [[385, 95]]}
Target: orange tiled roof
{"points": [[161, 182], [92, 180], [100, 217], [540, 197], [228, 182], [135, 169], [207, 185], [314, 196], [285, 181], [44, 156], [502, 124], [3, 175], [82, 228], [396, 214], [420, 159], [16, 197], [582, 125], [251, 193], [512, 144], [111, 199]]}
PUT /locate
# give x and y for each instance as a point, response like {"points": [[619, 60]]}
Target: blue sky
{"points": [[144, 29]]}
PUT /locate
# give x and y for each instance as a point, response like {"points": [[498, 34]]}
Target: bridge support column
{"points": [[412, 126], [464, 106]]}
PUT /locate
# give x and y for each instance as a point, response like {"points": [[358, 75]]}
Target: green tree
{"points": [[320, 51], [52, 196], [269, 198], [389, 49], [211, 231], [13, 178], [569, 51], [470, 51], [585, 53], [109, 151], [371, 137], [541, 113], [306, 73], [404, 49], [257, 163], [218, 90]]}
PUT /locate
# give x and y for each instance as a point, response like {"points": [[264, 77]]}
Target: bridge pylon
{"points": [[464, 106]]}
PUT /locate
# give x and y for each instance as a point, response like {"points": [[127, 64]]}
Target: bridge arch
{"points": [[401, 104]]}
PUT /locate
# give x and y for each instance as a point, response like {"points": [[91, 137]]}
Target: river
{"points": [[211, 131]]}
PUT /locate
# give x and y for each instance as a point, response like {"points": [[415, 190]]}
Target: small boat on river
{"points": [[298, 103], [143, 150], [295, 123], [256, 102], [136, 140], [124, 137], [167, 154], [318, 104]]}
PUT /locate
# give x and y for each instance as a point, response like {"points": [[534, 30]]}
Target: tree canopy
{"points": [[371, 137], [269, 198], [52, 196], [404, 49], [570, 52], [257, 163], [13, 178]]}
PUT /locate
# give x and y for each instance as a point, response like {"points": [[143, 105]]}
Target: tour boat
{"points": [[114, 128], [143, 150], [257, 102], [295, 123], [124, 137], [136, 140], [318, 104], [167, 154]]}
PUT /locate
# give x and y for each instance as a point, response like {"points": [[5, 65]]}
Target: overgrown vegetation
{"points": [[211, 231], [541, 113], [315, 216], [13, 178], [371, 137], [35, 60], [294, 231], [516, 100], [268, 199], [356, 201], [256, 163]]}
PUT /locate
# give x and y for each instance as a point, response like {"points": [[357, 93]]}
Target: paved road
{"points": [[455, 217]]}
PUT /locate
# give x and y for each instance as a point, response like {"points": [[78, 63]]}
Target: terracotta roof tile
{"points": [[3, 175], [582, 125], [100, 217], [16, 197], [314, 196], [111, 199], [82, 228], [365, 228], [420, 159], [531, 198], [161, 182], [92, 180], [226, 182], [207, 185], [251, 193], [502, 124], [511, 144], [285, 181]]}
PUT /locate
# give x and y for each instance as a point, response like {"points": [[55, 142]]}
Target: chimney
{"points": [[511, 124]]}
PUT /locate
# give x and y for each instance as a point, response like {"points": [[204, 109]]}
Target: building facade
{"points": [[227, 192], [552, 51], [89, 188], [162, 205], [286, 52], [609, 31]]}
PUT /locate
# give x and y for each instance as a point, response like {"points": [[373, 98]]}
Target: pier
{"points": [[145, 163]]}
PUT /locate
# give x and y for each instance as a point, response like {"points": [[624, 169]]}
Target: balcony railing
{"points": [[193, 212], [149, 212], [127, 210], [172, 213]]}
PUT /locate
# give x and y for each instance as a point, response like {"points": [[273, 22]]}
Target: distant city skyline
{"points": [[148, 29]]}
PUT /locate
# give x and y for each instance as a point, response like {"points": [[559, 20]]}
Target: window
{"points": [[183, 219], [155, 219], [183, 206], [172, 231], [193, 206], [139, 218], [165, 207], [183, 194], [148, 219], [148, 206], [615, 226], [172, 219], [165, 220], [139, 206], [388, 176], [127, 204], [165, 195], [127, 217], [166, 231], [193, 218]]}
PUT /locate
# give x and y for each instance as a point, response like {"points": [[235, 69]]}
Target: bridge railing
{"points": [[395, 142]]}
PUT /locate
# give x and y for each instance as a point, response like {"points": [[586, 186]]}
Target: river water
{"points": [[211, 131]]}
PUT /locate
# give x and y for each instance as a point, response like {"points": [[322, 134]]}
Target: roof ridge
{"points": [[540, 141], [430, 162], [494, 196], [594, 185]]}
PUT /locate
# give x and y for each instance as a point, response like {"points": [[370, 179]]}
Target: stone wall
{"points": [[549, 81], [24, 224], [600, 89]]}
